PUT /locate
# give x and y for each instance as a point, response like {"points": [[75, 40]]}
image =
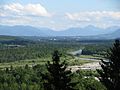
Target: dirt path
{"points": [[87, 66]]}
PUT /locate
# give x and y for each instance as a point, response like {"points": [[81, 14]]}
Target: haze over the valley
{"points": [[60, 18]]}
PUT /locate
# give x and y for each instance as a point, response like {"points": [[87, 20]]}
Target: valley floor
{"points": [[83, 62]]}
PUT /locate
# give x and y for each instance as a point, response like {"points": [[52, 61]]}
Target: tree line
{"points": [[56, 76], [15, 52]]}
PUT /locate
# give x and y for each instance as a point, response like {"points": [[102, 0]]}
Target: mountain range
{"points": [[86, 32]]}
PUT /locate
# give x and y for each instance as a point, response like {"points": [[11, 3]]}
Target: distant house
{"points": [[76, 53]]}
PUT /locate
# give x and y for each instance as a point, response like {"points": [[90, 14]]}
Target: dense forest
{"points": [[54, 72], [31, 78], [20, 49]]}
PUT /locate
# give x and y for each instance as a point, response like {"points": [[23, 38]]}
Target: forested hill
{"points": [[14, 40], [7, 38]]}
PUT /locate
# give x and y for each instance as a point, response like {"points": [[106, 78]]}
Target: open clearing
{"points": [[83, 62]]}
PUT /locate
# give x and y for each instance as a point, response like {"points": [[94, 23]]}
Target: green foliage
{"points": [[22, 78], [7, 38], [58, 77], [22, 50], [99, 49], [110, 73], [30, 77], [86, 80], [92, 84], [10, 52]]}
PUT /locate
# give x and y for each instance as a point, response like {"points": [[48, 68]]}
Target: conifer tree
{"points": [[58, 77], [110, 73]]}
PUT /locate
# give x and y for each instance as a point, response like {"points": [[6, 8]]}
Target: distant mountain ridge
{"points": [[20, 31], [111, 35], [86, 32]]}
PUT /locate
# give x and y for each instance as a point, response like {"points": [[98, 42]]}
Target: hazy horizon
{"points": [[60, 15]]}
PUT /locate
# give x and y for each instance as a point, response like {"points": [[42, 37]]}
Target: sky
{"points": [[60, 14]]}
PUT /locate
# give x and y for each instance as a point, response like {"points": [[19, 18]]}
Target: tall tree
{"points": [[58, 77], [110, 73]]}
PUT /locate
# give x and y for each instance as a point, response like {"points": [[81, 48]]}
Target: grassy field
{"points": [[42, 61]]}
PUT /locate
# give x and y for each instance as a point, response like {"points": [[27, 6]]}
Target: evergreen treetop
{"points": [[58, 77], [110, 73]]}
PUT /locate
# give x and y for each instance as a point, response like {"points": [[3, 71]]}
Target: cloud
{"points": [[38, 15], [77, 17], [102, 19], [93, 16], [16, 21], [29, 14], [14, 7], [2, 14], [29, 9]]}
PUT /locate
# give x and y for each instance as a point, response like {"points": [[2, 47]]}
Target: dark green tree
{"points": [[58, 77], [110, 73]]}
